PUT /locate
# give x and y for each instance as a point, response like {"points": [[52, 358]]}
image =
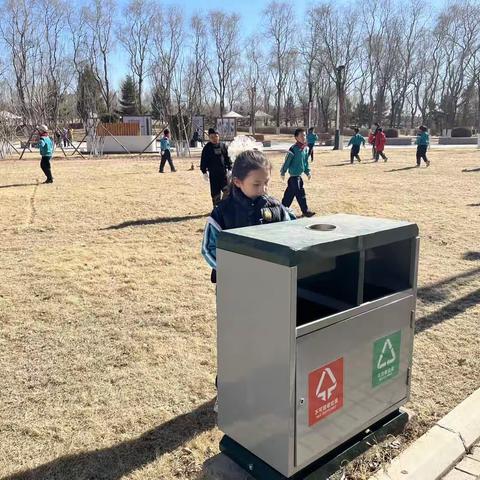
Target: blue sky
{"points": [[250, 12]]}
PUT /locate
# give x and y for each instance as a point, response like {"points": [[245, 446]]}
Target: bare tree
{"points": [[339, 39], [224, 33], [20, 32], [197, 68], [134, 33], [280, 29], [99, 16], [252, 71], [168, 42]]}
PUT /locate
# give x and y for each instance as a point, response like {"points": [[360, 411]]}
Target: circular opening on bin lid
{"points": [[322, 227]]}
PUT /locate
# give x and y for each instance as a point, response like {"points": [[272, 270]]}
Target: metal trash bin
{"points": [[315, 332]]}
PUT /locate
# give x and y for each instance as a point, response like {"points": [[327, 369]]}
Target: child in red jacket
{"points": [[380, 141]]}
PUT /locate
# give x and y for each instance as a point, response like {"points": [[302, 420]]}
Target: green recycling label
{"points": [[386, 358]]}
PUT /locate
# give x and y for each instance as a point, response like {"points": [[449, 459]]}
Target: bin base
{"points": [[325, 466]]}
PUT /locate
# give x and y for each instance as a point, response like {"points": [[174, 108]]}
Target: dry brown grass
{"points": [[107, 313]]}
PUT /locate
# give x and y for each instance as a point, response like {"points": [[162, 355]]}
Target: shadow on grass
{"points": [[439, 292], [338, 164], [19, 185], [448, 311], [153, 221], [466, 170], [119, 460], [402, 169], [472, 256]]}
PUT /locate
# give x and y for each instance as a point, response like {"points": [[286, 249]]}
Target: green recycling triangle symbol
{"points": [[387, 357]]}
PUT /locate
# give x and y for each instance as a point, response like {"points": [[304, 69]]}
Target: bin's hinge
{"points": [[408, 376], [412, 319]]}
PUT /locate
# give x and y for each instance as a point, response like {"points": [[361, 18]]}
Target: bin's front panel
{"points": [[349, 375]]}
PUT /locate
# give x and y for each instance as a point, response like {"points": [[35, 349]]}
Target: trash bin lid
{"points": [[291, 243]]}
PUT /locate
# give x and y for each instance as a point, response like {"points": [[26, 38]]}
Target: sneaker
{"points": [[385, 159], [160, 171], [49, 181], [215, 406], [359, 160], [417, 165], [308, 214], [428, 163]]}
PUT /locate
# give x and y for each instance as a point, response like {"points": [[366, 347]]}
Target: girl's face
{"points": [[255, 184]]}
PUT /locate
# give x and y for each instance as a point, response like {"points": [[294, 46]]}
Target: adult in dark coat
{"points": [[216, 166]]}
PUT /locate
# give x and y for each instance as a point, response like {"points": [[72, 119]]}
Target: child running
{"points": [[380, 141], [247, 204], [423, 141], [356, 141], [296, 162]]}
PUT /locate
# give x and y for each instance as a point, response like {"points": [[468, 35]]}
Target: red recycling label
{"points": [[325, 391]]}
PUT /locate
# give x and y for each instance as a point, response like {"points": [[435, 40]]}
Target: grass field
{"points": [[107, 345]]}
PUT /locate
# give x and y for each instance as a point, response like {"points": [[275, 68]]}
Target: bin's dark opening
{"points": [[321, 227]]}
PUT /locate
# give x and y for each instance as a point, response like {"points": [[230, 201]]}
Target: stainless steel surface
{"points": [[256, 302], [265, 360], [352, 340]]}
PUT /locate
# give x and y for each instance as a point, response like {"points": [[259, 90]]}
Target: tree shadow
{"points": [[153, 221], [401, 169], [448, 311], [472, 256], [338, 164], [117, 461], [438, 292], [466, 170], [19, 185]]}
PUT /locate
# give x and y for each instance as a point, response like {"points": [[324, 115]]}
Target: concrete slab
{"points": [[469, 465], [465, 419], [476, 453], [220, 467], [430, 457], [458, 475]]}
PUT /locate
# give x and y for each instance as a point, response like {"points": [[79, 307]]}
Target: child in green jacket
{"points": [[45, 145], [312, 139], [296, 162], [423, 141], [356, 141]]}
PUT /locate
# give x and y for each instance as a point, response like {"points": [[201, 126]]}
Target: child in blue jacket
{"points": [[423, 141], [166, 156], [356, 141], [45, 145]]}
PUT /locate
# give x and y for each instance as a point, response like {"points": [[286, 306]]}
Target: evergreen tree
{"points": [[89, 97], [129, 96]]}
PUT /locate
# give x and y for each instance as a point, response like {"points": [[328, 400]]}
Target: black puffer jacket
{"points": [[237, 210]]}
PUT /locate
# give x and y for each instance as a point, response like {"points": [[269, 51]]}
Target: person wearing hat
{"points": [[216, 166], [45, 145]]}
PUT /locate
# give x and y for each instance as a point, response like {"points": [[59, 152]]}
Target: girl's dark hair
{"points": [[298, 131], [248, 161], [423, 128], [310, 129], [356, 130], [166, 131]]}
